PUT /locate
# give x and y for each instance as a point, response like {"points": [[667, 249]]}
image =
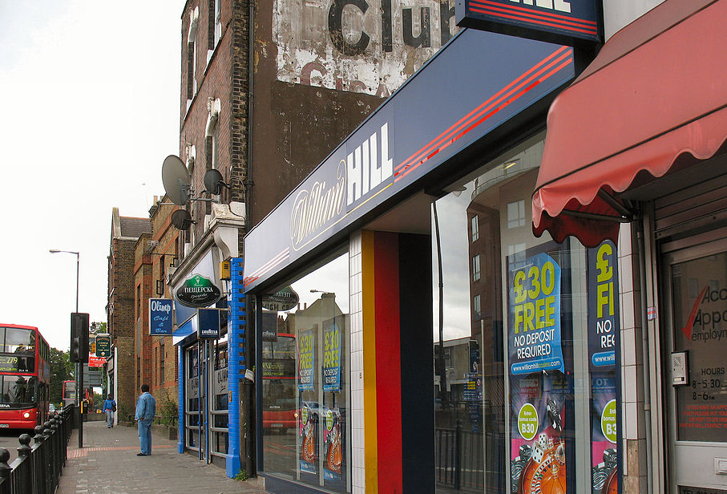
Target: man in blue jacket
{"points": [[146, 407], [109, 407]]}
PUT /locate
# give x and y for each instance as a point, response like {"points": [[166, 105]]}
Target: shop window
{"points": [[220, 389], [516, 214], [193, 413], [513, 348], [306, 392]]}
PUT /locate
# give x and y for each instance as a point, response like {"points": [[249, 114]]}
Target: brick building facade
{"points": [[143, 284], [155, 257], [163, 376], [125, 232]]}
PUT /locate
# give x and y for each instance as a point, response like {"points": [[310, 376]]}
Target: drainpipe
{"points": [[249, 183], [440, 358], [251, 328], [646, 355]]}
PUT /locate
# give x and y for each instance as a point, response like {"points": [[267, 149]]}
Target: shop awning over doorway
{"points": [[654, 98]]}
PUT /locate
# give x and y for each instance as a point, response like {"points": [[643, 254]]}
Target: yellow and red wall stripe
{"points": [[398, 364]]}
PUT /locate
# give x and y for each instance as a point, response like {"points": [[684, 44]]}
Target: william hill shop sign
{"points": [[394, 153], [557, 21], [198, 291]]}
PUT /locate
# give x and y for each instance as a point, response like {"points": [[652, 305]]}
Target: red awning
{"points": [[656, 91]]}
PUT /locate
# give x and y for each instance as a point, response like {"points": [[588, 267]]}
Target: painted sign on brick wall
{"points": [[365, 46]]}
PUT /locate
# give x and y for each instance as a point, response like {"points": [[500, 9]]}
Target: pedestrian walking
{"points": [[146, 407], [109, 407]]}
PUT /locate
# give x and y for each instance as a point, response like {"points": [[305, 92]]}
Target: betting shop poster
{"points": [[333, 427], [538, 386], [306, 360], [308, 438], [309, 419], [603, 341], [331, 356], [333, 444]]}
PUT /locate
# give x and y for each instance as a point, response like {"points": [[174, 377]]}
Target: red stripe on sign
{"points": [[536, 75], [250, 279], [518, 17], [474, 113], [526, 10], [511, 100], [388, 362]]}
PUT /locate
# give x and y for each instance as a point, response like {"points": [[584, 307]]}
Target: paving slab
{"points": [[107, 464]]}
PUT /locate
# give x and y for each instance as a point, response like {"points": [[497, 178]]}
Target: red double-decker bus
{"points": [[24, 377], [280, 409], [69, 393]]}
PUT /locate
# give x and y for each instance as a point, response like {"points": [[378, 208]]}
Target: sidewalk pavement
{"points": [[107, 464]]}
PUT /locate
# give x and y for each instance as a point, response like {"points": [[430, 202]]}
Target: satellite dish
{"points": [[182, 219], [175, 178], [213, 181]]}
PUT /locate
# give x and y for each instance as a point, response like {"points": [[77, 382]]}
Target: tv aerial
{"points": [[176, 180], [213, 182]]}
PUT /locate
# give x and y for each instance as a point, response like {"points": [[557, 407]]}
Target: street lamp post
{"points": [[440, 363], [79, 365]]}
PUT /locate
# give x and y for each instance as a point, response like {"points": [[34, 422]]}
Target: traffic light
{"points": [[79, 337]]}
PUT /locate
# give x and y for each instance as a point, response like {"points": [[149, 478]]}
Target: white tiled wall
{"points": [[632, 401], [356, 345], [629, 358]]}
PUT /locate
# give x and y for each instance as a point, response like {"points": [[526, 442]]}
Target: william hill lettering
{"points": [[364, 169]]}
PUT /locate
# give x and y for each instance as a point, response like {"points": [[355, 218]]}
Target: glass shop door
{"points": [[696, 364]]}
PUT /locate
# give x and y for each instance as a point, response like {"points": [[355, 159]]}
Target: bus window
{"points": [[18, 340], [18, 390]]}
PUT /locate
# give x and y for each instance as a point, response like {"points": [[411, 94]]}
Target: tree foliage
{"points": [[61, 369], [98, 327]]}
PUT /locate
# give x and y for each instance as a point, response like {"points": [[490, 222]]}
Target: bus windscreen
{"points": [[17, 390]]}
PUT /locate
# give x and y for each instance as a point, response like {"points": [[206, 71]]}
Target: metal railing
{"points": [[458, 459], [37, 469]]}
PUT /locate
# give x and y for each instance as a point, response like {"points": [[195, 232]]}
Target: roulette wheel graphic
{"points": [[334, 452], [605, 475], [611, 486], [545, 474], [308, 450]]}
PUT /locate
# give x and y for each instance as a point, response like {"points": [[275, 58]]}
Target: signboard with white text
{"points": [[160, 316], [208, 323]]}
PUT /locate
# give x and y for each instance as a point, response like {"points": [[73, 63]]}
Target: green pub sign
{"points": [[103, 346]]}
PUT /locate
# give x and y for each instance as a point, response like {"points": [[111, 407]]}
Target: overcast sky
{"points": [[89, 92]]}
